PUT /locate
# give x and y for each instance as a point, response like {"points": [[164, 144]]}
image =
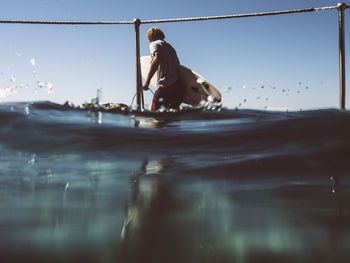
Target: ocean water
{"points": [[197, 185]]}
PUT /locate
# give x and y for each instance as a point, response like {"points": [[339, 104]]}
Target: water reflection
{"points": [[337, 195], [144, 122], [95, 116], [211, 221], [150, 231], [107, 209]]}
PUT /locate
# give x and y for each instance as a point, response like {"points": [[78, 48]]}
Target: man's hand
{"points": [[145, 86], [152, 70]]}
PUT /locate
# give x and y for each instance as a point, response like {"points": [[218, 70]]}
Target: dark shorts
{"points": [[169, 97]]}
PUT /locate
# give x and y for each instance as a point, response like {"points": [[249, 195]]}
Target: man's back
{"points": [[167, 73]]}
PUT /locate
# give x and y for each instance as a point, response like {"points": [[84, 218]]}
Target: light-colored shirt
{"points": [[167, 72]]}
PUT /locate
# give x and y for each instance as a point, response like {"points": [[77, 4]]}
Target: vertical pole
{"points": [[139, 92], [341, 8]]}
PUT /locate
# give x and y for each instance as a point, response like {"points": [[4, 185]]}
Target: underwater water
{"points": [[191, 186]]}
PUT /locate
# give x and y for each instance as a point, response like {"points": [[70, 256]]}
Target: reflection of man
{"points": [[138, 205], [146, 231], [166, 63]]}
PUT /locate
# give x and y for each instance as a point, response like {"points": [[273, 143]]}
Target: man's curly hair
{"points": [[155, 33]]}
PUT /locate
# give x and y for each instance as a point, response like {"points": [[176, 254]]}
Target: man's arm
{"points": [[152, 70]]}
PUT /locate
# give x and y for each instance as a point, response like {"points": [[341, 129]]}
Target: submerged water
{"points": [[191, 186]]}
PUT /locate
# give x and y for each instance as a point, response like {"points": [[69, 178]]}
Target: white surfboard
{"points": [[197, 88]]}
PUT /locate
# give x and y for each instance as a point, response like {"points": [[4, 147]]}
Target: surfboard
{"points": [[197, 88]]}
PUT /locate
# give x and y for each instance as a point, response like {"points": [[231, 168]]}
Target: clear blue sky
{"points": [[277, 62]]}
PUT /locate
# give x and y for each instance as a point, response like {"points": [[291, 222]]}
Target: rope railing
{"points": [[240, 15], [66, 22], [191, 19], [341, 7]]}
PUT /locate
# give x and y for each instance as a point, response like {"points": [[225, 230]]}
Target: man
{"points": [[166, 63]]}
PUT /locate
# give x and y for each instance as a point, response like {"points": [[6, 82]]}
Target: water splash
{"points": [[5, 92], [210, 104], [48, 86], [32, 61], [99, 95], [263, 96]]}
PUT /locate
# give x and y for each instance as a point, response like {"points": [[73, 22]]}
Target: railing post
{"points": [[341, 8], [139, 92]]}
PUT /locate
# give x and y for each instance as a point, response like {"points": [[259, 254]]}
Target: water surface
{"points": [[192, 186]]}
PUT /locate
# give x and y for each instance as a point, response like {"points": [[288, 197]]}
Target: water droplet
{"points": [[40, 84], [49, 87], [32, 61], [26, 110], [335, 184], [32, 160], [11, 90]]}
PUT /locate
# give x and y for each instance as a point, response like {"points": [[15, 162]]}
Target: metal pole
{"points": [[341, 8], [139, 92]]}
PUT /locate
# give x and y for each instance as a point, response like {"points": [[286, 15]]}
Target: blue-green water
{"points": [[192, 186]]}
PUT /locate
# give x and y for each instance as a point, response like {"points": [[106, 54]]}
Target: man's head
{"points": [[155, 33]]}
